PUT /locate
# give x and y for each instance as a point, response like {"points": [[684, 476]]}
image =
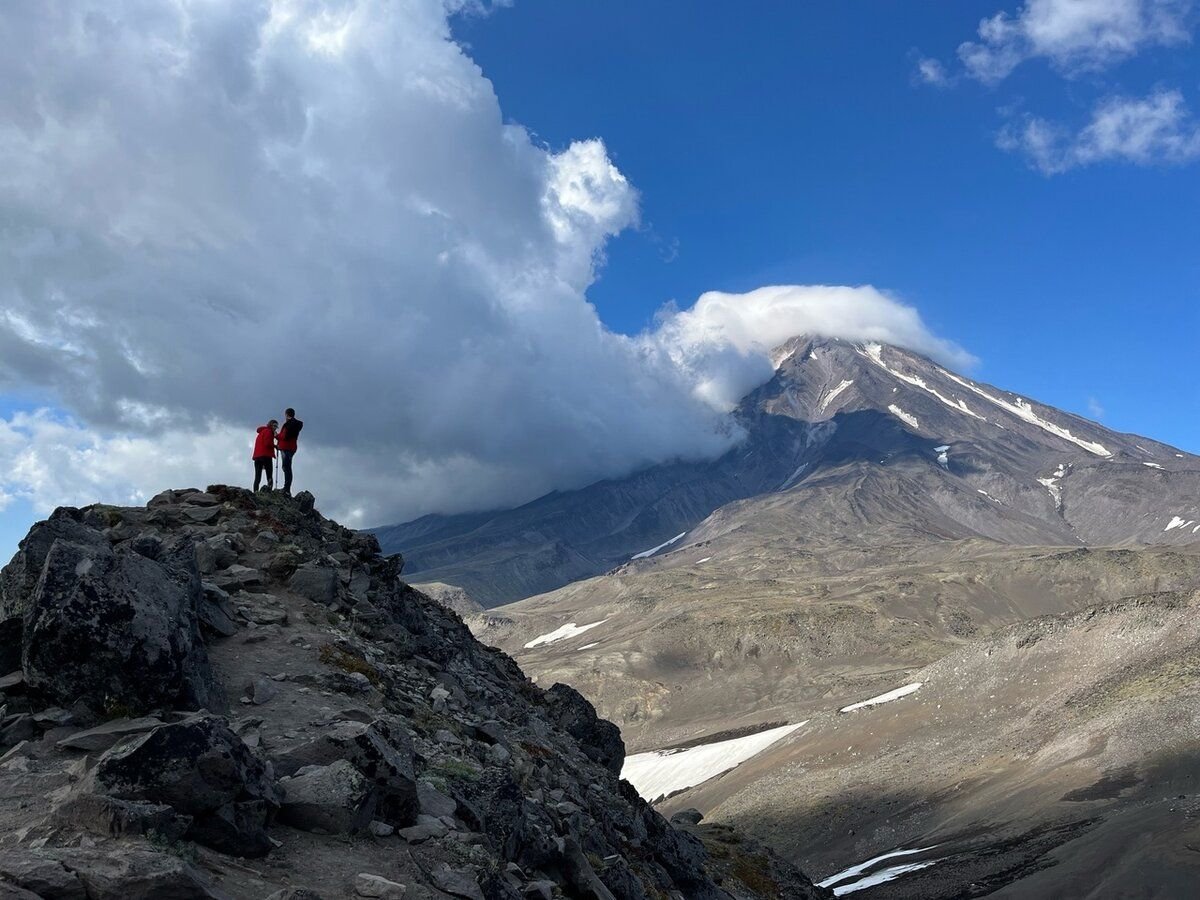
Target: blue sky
{"points": [[791, 143], [417, 221]]}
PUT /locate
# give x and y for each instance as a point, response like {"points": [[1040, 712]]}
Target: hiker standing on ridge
{"points": [[288, 435], [264, 454]]}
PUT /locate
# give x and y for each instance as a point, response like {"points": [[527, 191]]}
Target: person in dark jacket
{"points": [[289, 434], [264, 454]]}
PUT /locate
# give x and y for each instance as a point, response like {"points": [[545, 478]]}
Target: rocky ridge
{"points": [[228, 695]]}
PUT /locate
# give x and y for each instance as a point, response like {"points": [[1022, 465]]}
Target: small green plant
{"points": [[348, 662], [456, 770], [185, 850]]}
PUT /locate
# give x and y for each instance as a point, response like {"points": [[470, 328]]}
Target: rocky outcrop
{"points": [[360, 707], [112, 628]]}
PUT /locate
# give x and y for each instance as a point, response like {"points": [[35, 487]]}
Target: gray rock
{"points": [[377, 887], [315, 583], [18, 728], [426, 827], [598, 738], [53, 717], [382, 751], [381, 829], [40, 874], [202, 515], [264, 541], [457, 882], [433, 802], [201, 498], [136, 616], [239, 578], [200, 768], [216, 612], [107, 735], [296, 893], [13, 682], [333, 799], [498, 754], [687, 817], [262, 690], [539, 890]]}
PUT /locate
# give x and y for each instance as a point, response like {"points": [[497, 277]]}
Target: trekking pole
{"points": [[277, 468]]}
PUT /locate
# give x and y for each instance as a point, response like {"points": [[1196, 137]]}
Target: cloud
{"points": [[1154, 130], [931, 71], [1073, 35], [707, 340], [210, 211], [1095, 410]]}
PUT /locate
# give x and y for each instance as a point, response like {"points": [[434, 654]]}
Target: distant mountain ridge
{"points": [[956, 458]]}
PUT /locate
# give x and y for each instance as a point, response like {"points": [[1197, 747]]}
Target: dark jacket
{"points": [[289, 432]]}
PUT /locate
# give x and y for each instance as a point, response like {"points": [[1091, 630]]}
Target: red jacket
{"points": [[264, 444]]}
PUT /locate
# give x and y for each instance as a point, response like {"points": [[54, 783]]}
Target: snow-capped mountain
{"points": [[871, 443]]}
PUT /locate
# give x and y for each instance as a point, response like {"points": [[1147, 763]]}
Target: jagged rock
{"points": [[380, 751], [216, 612], [315, 583], [13, 682], [333, 799], [433, 802], [200, 768], [599, 738], [136, 616], [80, 874], [539, 890], [239, 578], [377, 887], [216, 553], [104, 736], [426, 827], [16, 729], [264, 540], [294, 893], [306, 502], [457, 882], [201, 498]]}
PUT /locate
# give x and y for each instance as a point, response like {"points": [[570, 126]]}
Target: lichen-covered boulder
{"points": [[113, 628]]}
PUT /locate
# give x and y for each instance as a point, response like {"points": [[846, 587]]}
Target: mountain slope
{"points": [[868, 440]]}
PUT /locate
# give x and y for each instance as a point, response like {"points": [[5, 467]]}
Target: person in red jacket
{"points": [[264, 454], [288, 435]]}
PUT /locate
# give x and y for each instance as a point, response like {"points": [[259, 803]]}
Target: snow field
{"points": [[569, 630], [648, 553], [662, 772], [883, 698]]}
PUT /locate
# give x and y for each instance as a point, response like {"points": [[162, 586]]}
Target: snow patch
{"points": [[662, 772], [903, 416], [1152, 465], [589, 646], [956, 405], [569, 630], [989, 496], [1176, 522], [706, 559], [1023, 409], [792, 478], [829, 398], [881, 877], [856, 870], [647, 553], [943, 457], [884, 698]]}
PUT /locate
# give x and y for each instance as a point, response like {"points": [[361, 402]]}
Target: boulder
{"points": [[135, 616], [381, 751], [216, 612], [333, 799], [199, 768], [377, 887], [239, 578], [315, 583], [598, 738], [114, 818]]}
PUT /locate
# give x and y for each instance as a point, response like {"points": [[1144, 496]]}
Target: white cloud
{"points": [[931, 71], [1154, 130], [211, 210], [1094, 408], [1074, 35]]}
